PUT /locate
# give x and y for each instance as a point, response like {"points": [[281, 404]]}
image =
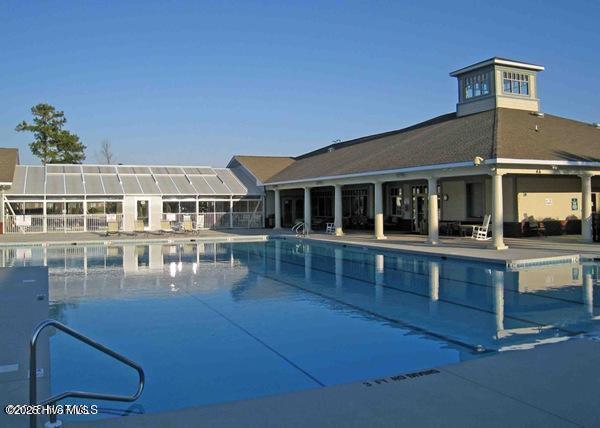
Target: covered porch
{"points": [[527, 200]]}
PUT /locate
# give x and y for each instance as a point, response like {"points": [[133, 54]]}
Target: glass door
{"points": [[142, 211]]}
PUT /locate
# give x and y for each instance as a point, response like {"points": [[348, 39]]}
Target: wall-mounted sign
{"points": [[548, 201], [111, 217], [171, 217], [574, 204]]}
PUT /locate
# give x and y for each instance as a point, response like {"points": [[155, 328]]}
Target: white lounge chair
{"points": [[330, 228], [480, 233]]}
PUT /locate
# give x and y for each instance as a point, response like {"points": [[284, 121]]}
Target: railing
{"points": [[299, 228], [247, 220], [80, 394], [219, 220], [63, 223]]}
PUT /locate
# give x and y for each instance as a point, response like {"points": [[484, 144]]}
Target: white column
{"points": [[277, 209], [231, 213], [432, 214], [307, 210], [497, 213], [45, 217], [85, 215], [379, 210], [586, 207], [337, 208]]}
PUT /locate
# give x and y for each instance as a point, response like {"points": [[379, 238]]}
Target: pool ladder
{"points": [[80, 394], [299, 228]]}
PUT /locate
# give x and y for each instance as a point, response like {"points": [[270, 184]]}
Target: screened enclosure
{"points": [[77, 198]]}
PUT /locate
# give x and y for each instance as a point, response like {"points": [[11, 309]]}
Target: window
{"points": [[54, 208], [222, 206], [206, 206], [475, 200], [171, 207], [95, 207], [477, 85], [354, 202], [396, 201], [321, 203], [114, 207], [515, 83], [187, 207]]}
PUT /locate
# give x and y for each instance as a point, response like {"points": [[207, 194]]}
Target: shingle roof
{"points": [[500, 133], [9, 158], [264, 167]]}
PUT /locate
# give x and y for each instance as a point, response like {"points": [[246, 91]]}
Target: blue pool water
{"points": [[216, 322]]}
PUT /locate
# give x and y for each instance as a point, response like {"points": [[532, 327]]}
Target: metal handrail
{"points": [[297, 227], [80, 394]]}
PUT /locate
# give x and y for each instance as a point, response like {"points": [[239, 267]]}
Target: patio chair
{"points": [[138, 227], [165, 226], [187, 226], [480, 233], [330, 228], [112, 228]]}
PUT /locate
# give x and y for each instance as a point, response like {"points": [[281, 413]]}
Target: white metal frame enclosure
{"points": [[79, 198]]}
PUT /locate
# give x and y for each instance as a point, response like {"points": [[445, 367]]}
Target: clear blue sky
{"points": [[196, 82]]}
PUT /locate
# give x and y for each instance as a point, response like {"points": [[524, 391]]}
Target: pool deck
{"points": [[521, 252], [552, 386]]}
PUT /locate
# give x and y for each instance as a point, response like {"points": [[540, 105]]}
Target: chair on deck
{"points": [[330, 228], [138, 227], [112, 228], [165, 226], [187, 226], [480, 233]]}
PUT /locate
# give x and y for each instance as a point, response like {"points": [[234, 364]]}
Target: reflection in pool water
{"points": [[214, 322]]}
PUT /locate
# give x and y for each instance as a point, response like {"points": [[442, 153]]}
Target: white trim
{"points": [[497, 61], [534, 162]]}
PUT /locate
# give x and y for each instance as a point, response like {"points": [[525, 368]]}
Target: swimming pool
{"points": [[216, 322]]}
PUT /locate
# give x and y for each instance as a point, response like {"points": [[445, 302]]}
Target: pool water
{"points": [[216, 322]]}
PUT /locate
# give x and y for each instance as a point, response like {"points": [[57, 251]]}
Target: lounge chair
{"points": [[112, 228], [187, 226], [330, 228], [138, 227], [480, 233], [165, 226]]}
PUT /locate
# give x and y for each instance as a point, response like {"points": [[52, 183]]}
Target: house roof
{"points": [[9, 158], [263, 167], [448, 139]]}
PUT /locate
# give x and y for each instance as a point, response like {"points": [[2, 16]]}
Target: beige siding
{"points": [[455, 208], [548, 197]]}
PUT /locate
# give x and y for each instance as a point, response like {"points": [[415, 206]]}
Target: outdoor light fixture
{"points": [[446, 197], [478, 160]]}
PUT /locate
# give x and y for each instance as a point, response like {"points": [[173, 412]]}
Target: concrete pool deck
{"points": [[521, 251], [552, 386]]}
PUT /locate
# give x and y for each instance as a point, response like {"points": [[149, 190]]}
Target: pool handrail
{"points": [[80, 394]]}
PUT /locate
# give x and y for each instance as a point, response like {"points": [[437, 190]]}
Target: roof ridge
{"points": [[359, 140]]}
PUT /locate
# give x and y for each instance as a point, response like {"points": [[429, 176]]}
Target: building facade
{"points": [[80, 198], [498, 154]]}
